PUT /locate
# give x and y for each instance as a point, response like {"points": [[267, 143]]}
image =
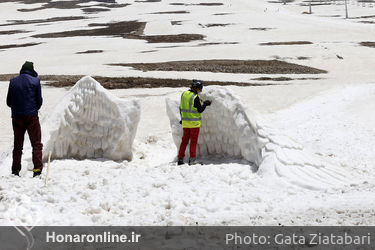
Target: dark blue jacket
{"points": [[25, 94]]}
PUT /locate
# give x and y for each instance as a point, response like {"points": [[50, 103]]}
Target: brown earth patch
{"points": [[148, 51], [72, 4], [368, 44], [197, 4], [286, 43], [171, 12], [90, 52], [180, 38], [215, 25], [94, 10], [127, 82], [362, 17], [11, 46], [226, 66], [209, 44], [48, 20], [176, 22], [126, 29], [222, 14], [11, 32], [116, 29], [261, 29], [282, 78]]}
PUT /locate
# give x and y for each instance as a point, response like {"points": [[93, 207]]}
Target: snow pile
{"points": [[227, 130], [90, 122]]}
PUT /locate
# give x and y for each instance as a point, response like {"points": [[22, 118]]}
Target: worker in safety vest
{"points": [[191, 117]]}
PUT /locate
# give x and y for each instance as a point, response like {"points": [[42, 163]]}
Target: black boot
{"points": [[37, 172], [180, 162], [16, 172]]}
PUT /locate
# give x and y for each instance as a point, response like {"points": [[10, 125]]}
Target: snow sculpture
{"points": [[90, 122], [227, 130]]}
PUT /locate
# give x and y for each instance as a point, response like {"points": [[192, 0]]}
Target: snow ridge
{"points": [[90, 122], [227, 130]]}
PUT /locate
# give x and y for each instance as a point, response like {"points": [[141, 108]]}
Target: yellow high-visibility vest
{"points": [[190, 116]]}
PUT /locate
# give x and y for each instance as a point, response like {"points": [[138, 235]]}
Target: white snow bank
{"points": [[227, 130], [90, 122]]}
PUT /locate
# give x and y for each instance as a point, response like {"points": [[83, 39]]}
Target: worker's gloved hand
{"points": [[180, 122], [207, 103]]}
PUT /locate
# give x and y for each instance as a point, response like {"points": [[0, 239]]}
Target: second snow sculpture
{"points": [[227, 130], [90, 122]]}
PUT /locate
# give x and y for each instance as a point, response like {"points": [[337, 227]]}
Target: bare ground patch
{"points": [[126, 29], [282, 78], [127, 82], [171, 12], [368, 44], [261, 29], [11, 32], [116, 29], [226, 66], [90, 52], [222, 14], [215, 25], [94, 10], [209, 44], [71, 4], [48, 20], [286, 43], [179, 38], [147, 1], [197, 4], [11, 46]]}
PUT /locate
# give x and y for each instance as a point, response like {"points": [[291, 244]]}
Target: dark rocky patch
{"points": [[94, 10], [11, 46], [73, 4], [197, 4], [286, 43], [261, 29], [119, 29], [127, 82], [362, 17], [171, 12], [209, 4], [180, 38], [222, 14], [11, 32], [226, 66], [282, 78], [90, 52], [148, 51], [148, 1], [303, 58], [215, 25], [48, 20], [209, 44], [176, 22], [368, 44]]}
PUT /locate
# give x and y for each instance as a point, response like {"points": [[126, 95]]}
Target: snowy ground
{"points": [[331, 117]]}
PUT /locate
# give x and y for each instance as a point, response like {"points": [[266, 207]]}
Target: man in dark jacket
{"points": [[25, 99]]}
